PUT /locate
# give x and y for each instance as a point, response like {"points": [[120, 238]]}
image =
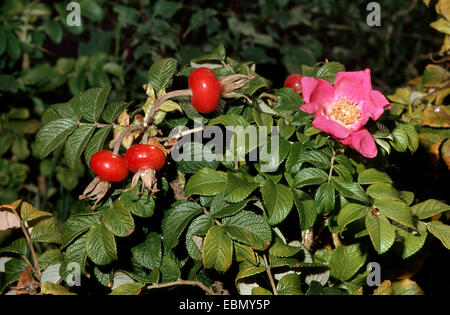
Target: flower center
{"points": [[345, 111]]}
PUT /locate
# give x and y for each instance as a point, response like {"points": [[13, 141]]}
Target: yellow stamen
{"points": [[345, 111]]}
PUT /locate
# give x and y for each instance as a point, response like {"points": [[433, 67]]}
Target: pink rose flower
{"points": [[342, 110]]}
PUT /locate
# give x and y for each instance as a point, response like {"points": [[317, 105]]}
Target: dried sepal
{"points": [[231, 83], [96, 190]]}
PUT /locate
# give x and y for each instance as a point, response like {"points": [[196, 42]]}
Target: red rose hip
{"points": [[294, 81], [205, 90], [108, 166], [143, 157]]}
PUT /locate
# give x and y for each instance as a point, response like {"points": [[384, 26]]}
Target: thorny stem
{"points": [[183, 282], [269, 273], [162, 99], [37, 269]]}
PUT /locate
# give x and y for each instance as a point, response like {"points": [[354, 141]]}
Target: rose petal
{"points": [[317, 91], [309, 108], [378, 102], [363, 142], [330, 126], [354, 85]]}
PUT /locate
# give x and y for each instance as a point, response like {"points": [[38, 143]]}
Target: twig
{"points": [[431, 93], [122, 135], [332, 165], [161, 100], [37, 269], [182, 282], [269, 273], [182, 134]]}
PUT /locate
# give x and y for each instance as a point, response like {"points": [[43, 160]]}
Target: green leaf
{"points": [[290, 284], [113, 110], [93, 102], [271, 159], [278, 200], [128, 289], [441, 231], [396, 210], [118, 219], [229, 120], [310, 176], [237, 188], [18, 246], [345, 261], [218, 54], [101, 245], [288, 101], [246, 269], [306, 209], [3, 39], [194, 242], [161, 72], [28, 212], [412, 241], [13, 48], [350, 190], [383, 191], [54, 30], [217, 249], [406, 287], [76, 225], [96, 142], [74, 260], [293, 163], [372, 176], [381, 232], [169, 270], [176, 220], [220, 208], [248, 228], [76, 143], [140, 205], [281, 249], [319, 159], [245, 253], [47, 230], [8, 83], [429, 208], [148, 253], [324, 198], [50, 257], [350, 213], [20, 148], [13, 270], [196, 156], [52, 135], [329, 71], [206, 182]]}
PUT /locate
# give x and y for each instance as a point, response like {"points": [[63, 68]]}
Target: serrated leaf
{"points": [[101, 245], [329, 71], [441, 231], [345, 261], [350, 213], [76, 143], [218, 54], [381, 232], [220, 208], [18, 246], [217, 249], [13, 269], [319, 159], [199, 226], [245, 253], [28, 212], [396, 210], [55, 289], [412, 241], [194, 157], [281, 249], [52, 135], [50, 257], [161, 72], [47, 230], [229, 120], [290, 284], [350, 190], [246, 269], [383, 191], [310, 176], [74, 262], [93, 102], [169, 270], [176, 220], [96, 142], [372, 176], [237, 188], [325, 198], [140, 205], [206, 182], [306, 209], [118, 219], [278, 201], [248, 228], [113, 110], [148, 253], [429, 208], [76, 225]]}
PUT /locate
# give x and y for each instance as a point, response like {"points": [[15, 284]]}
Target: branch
{"points": [[37, 269], [182, 282], [269, 273], [122, 135], [162, 99]]}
